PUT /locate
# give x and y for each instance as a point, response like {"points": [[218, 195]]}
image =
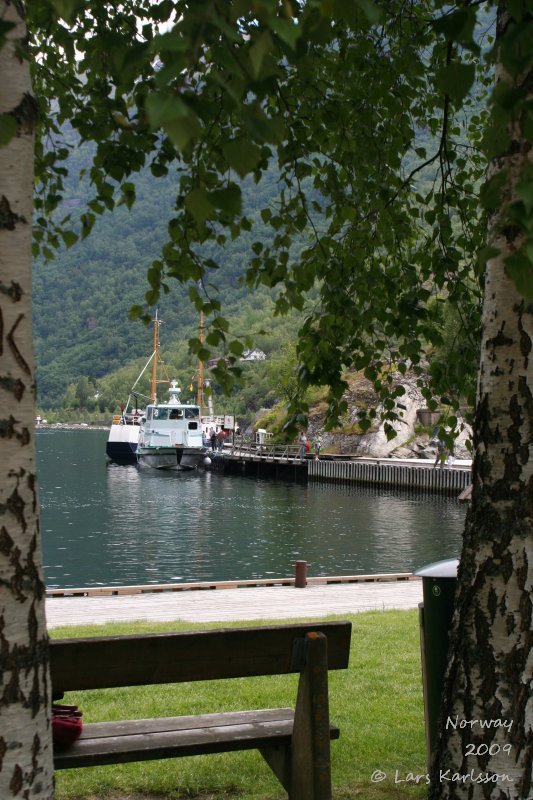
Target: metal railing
{"points": [[244, 446]]}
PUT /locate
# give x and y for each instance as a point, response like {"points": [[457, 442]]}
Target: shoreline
{"points": [[68, 426]]}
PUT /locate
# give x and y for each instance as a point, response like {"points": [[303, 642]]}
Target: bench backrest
{"points": [[138, 660]]}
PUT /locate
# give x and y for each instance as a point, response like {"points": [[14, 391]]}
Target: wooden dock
{"points": [[283, 463], [233, 600]]}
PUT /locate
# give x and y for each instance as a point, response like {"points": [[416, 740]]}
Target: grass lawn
{"points": [[377, 704]]}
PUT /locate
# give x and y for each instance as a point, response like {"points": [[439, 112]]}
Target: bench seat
{"points": [[170, 737], [294, 742]]}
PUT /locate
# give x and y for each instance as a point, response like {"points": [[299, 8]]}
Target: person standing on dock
{"points": [[440, 457], [213, 439], [317, 445], [302, 442]]}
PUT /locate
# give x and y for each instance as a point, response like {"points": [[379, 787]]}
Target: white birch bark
{"points": [[489, 679], [25, 739]]}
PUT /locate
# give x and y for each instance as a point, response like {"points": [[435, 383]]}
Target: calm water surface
{"points": [[105, 524]]}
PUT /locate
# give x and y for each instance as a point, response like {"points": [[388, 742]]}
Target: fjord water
{"points": [[105, 524]]}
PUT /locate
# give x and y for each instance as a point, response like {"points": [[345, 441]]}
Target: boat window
{"points": [[193, 426], [160, 413], [176, 413], [148, 413], [191, 413]]}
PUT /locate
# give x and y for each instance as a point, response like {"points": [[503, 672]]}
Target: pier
{"points": [[263, 461], [402, 473], [233, 600], [283, 462]]}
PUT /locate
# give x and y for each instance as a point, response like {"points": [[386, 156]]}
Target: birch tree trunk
{"points": [[486, 743], [25, 739]]}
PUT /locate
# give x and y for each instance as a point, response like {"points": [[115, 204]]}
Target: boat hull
{"points": [[180, 458], [121, 445]]}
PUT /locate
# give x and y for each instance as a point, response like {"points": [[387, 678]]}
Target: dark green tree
{"points": [[83, 391]]}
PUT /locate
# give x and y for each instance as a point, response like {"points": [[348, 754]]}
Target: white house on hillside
{"points": [[253, 355]]}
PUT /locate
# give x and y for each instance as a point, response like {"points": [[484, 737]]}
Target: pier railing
{"points": [[406, 473], [283, 460], [267, 452]]}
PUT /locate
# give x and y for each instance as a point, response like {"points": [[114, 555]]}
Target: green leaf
{"points": [[198, 205], [288, 32], [204, 354], [152, 297], [213, 338], [235, 347], [171, 113], [490, 193], [242, 156], [69, 238], [68, 9], [457, 26], [228, 200], [455, 79], [485, 254], [520, 269], [170, 42], [183, 132], [524, 189], [154, 277], [8, 128], [258, 51], [370, 10], [221, 323], [517, 47], [128, 194], [495, 140]]}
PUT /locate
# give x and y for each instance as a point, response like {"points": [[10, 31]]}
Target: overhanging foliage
{"points": [[376, 114]]}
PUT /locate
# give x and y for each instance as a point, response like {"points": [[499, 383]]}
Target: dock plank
{"points": [[250, 603]]}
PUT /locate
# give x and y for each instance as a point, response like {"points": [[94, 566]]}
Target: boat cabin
{"points": [[164, 412], [172, 424]]}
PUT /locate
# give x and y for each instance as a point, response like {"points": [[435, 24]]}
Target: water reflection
{"points": [[111, 525]]}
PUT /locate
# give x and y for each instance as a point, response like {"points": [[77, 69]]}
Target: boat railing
{"points": [[131, 418], [267, 452]]}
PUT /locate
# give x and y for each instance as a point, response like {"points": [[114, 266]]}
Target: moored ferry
{"points": [[171, 434]]}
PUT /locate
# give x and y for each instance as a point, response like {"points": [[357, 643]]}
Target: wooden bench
{"points": [[295, 742]]}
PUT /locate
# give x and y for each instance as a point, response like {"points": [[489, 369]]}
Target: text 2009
{"points": [[484, 749]]}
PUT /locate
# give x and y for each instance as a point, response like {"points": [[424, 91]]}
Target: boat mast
{"points": [[153, 381], [200, 392]]}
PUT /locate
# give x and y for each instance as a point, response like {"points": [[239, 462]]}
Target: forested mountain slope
{"points": [[82, 298]]}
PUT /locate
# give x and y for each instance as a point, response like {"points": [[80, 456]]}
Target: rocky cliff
{"points": [[416, 429]]}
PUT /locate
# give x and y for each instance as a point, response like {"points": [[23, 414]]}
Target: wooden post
{"points": [[310, 763]]}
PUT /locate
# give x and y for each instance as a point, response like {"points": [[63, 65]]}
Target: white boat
{"points": [[123, 439], [125, 431], [171, 434], [121, 445]]}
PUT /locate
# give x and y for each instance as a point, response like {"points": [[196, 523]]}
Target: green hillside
{"points": [[82, 298]]}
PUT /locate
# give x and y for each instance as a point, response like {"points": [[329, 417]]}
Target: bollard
{"points": [[300, 575]]}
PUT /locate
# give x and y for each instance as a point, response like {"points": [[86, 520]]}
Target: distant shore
{"points": [[67, 426]]}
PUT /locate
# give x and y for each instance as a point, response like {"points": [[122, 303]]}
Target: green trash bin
{"points": [[439, 581]]}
